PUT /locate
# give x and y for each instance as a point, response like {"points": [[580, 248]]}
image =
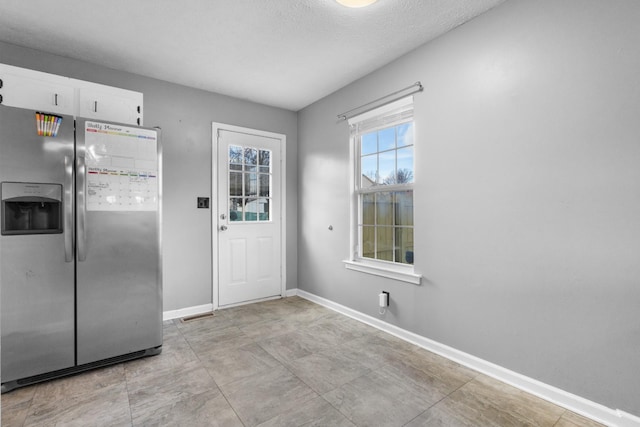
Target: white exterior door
{"points": [[249, 215]]}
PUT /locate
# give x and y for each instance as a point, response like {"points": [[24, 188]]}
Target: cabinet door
{"points": [[36, 94], [111, 104]]}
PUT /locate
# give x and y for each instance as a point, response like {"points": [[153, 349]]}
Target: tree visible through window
{"points": [[384, 187], [249, 184]]}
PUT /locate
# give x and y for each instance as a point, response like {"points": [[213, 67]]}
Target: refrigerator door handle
{"points": [[81, 209], [68, 209]]}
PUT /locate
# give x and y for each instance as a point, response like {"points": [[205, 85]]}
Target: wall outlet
{"points": [[384, 299]]}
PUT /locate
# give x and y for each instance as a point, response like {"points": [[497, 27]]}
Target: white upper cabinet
{"points": [[50, 93], [29, 90], [109, 103]]}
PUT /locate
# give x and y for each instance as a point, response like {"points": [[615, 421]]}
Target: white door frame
{"points": [[215, 211]]}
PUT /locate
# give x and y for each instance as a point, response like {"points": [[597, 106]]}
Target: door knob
{"points": [[223, 227]]}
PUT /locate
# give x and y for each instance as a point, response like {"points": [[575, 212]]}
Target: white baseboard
{"points": [[577, 404], [189, 311], [291, 293], [208, 308]]}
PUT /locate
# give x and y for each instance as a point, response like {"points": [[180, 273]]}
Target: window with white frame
{"points": [[383, 163]]}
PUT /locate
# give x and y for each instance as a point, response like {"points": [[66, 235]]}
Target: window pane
{"points": [[386, 217], [369, 167], [265, 190], [368, 242], [368, 209], [263, 209], [404, 245], [265, 157], [251, 210], [250, 156], [250, 159], [384, 243], [387, 169], [368, 143], [384, 211], [405, 166], [235, 154], [387, 139], [405, 134], [235, 209], [250, 184], [404, 208], [235, 183]]}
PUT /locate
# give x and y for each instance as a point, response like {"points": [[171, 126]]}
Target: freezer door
{"points": [[36, 262], [119, 293]]}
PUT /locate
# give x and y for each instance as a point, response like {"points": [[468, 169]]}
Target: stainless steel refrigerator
{"points": [[80, 248]]}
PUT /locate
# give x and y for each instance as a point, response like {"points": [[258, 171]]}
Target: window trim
{"points": [[391, 270]]}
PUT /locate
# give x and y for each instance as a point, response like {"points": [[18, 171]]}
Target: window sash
{"points": [[395, 252]]}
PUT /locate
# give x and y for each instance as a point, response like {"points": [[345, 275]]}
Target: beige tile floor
{"points": [[287, 362]]}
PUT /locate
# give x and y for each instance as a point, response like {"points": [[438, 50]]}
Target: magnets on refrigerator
{"points": [[47, 124]]}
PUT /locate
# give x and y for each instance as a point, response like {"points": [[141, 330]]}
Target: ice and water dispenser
{"points": [[31, 208]]}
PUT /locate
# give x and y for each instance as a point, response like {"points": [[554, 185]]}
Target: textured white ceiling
{"points": [[284, 53]]}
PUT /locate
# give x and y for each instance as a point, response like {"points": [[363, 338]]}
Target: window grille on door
{"points": [[250, 180]]}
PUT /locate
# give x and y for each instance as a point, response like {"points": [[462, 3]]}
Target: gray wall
{"points": [[185, 116], [527, 194]]}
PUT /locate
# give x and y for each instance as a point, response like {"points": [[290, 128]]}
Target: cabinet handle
{"points": [[1, 83], [0, 99], [55, 99], [138, 121], [95, 106], [138, 105]]}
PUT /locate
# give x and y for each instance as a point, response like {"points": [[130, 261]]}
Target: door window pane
{"points": [[251, 209], [250, 184], [265, 185], [235, 183], [263, 209], [250, 159], [235, 155], [249, 178], [235, 209], [265, 161]]}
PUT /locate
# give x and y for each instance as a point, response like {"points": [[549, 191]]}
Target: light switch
{"points": [[203, 203]]}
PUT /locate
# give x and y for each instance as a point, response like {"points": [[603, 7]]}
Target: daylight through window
{"points": [[384, 177]]}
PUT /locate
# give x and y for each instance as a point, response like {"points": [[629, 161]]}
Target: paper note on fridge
{"points": [[122, 168]]}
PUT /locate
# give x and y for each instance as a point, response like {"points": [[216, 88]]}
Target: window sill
{"points": [[391, 272]]}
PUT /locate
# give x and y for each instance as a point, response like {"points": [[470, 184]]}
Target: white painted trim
{"points": [[185, 312], [291, 293], [392, 272], [215, 127], [572, 402], [253, 301]]}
